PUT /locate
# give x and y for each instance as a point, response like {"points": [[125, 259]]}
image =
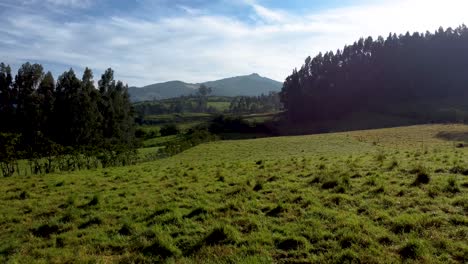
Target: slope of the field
{"points": [[378, 196]]}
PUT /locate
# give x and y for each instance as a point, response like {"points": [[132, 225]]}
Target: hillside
{"points": [[248, 85], [160, 91], [376, 196]]}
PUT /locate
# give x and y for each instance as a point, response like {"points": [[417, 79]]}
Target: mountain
{"points": [[161, 91], [247, 85]]}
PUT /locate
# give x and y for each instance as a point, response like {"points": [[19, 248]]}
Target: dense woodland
{"points": [[42, 117], [418, 76]]}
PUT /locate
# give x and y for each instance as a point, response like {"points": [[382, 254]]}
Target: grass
{"points": [[153, 143], [347, 197], [219, 106]]}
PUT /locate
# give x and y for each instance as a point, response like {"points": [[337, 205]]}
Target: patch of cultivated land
{"points": [[378, 196]]}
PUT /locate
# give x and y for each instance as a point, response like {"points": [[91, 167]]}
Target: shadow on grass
{"points": [[453, 136]]}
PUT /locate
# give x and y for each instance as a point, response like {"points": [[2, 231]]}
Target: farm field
{"points": [[375, 196]]}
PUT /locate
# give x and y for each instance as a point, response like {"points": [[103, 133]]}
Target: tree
{"points": [[378, 75], [27, 104], [7, 98], [204, 90], [117, 111], [90, 117], [46, 94], [169, 129], [8, 154], [68, 123], [202, 103], [43, 119]]}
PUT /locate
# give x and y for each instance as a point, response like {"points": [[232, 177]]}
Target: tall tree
{"points": [[386, 76], [68, 126], [7, 98], [46, 94], [117, 111], [27, 105]]}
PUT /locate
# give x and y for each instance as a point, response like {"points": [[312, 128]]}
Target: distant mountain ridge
{"points": [[247, 85]]}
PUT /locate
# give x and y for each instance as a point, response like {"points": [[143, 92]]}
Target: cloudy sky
{"points": [[148, 41]]}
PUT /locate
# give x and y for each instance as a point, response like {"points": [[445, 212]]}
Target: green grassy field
{"points": [[220, 106], [377, 196]]}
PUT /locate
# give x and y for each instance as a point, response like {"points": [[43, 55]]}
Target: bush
{"points": [[140, 133], [8, 154], [169, 130]]}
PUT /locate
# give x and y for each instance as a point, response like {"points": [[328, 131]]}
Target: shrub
{"points": [[140, 133], [169, 129]]}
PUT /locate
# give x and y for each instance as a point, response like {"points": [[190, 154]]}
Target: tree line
{"points": [[255, 104], [43, 117], [429, 70], [199, 103], [194, 103]]}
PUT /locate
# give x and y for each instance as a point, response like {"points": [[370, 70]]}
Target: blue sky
{"points": [[148, 41]]}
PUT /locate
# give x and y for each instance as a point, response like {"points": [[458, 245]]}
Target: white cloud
{"points": [[190, 10], [52, 3], [71, 3], [198, 47], [268, 15]]}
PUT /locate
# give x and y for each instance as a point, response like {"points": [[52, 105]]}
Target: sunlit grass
{"points": [[359, 197]]}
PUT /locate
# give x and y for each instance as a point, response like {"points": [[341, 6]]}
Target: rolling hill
{"points": [[247, 85]]}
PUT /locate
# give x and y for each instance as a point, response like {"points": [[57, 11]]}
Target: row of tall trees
{"points": [[256, 104], [377, 75], [69, 113]]}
